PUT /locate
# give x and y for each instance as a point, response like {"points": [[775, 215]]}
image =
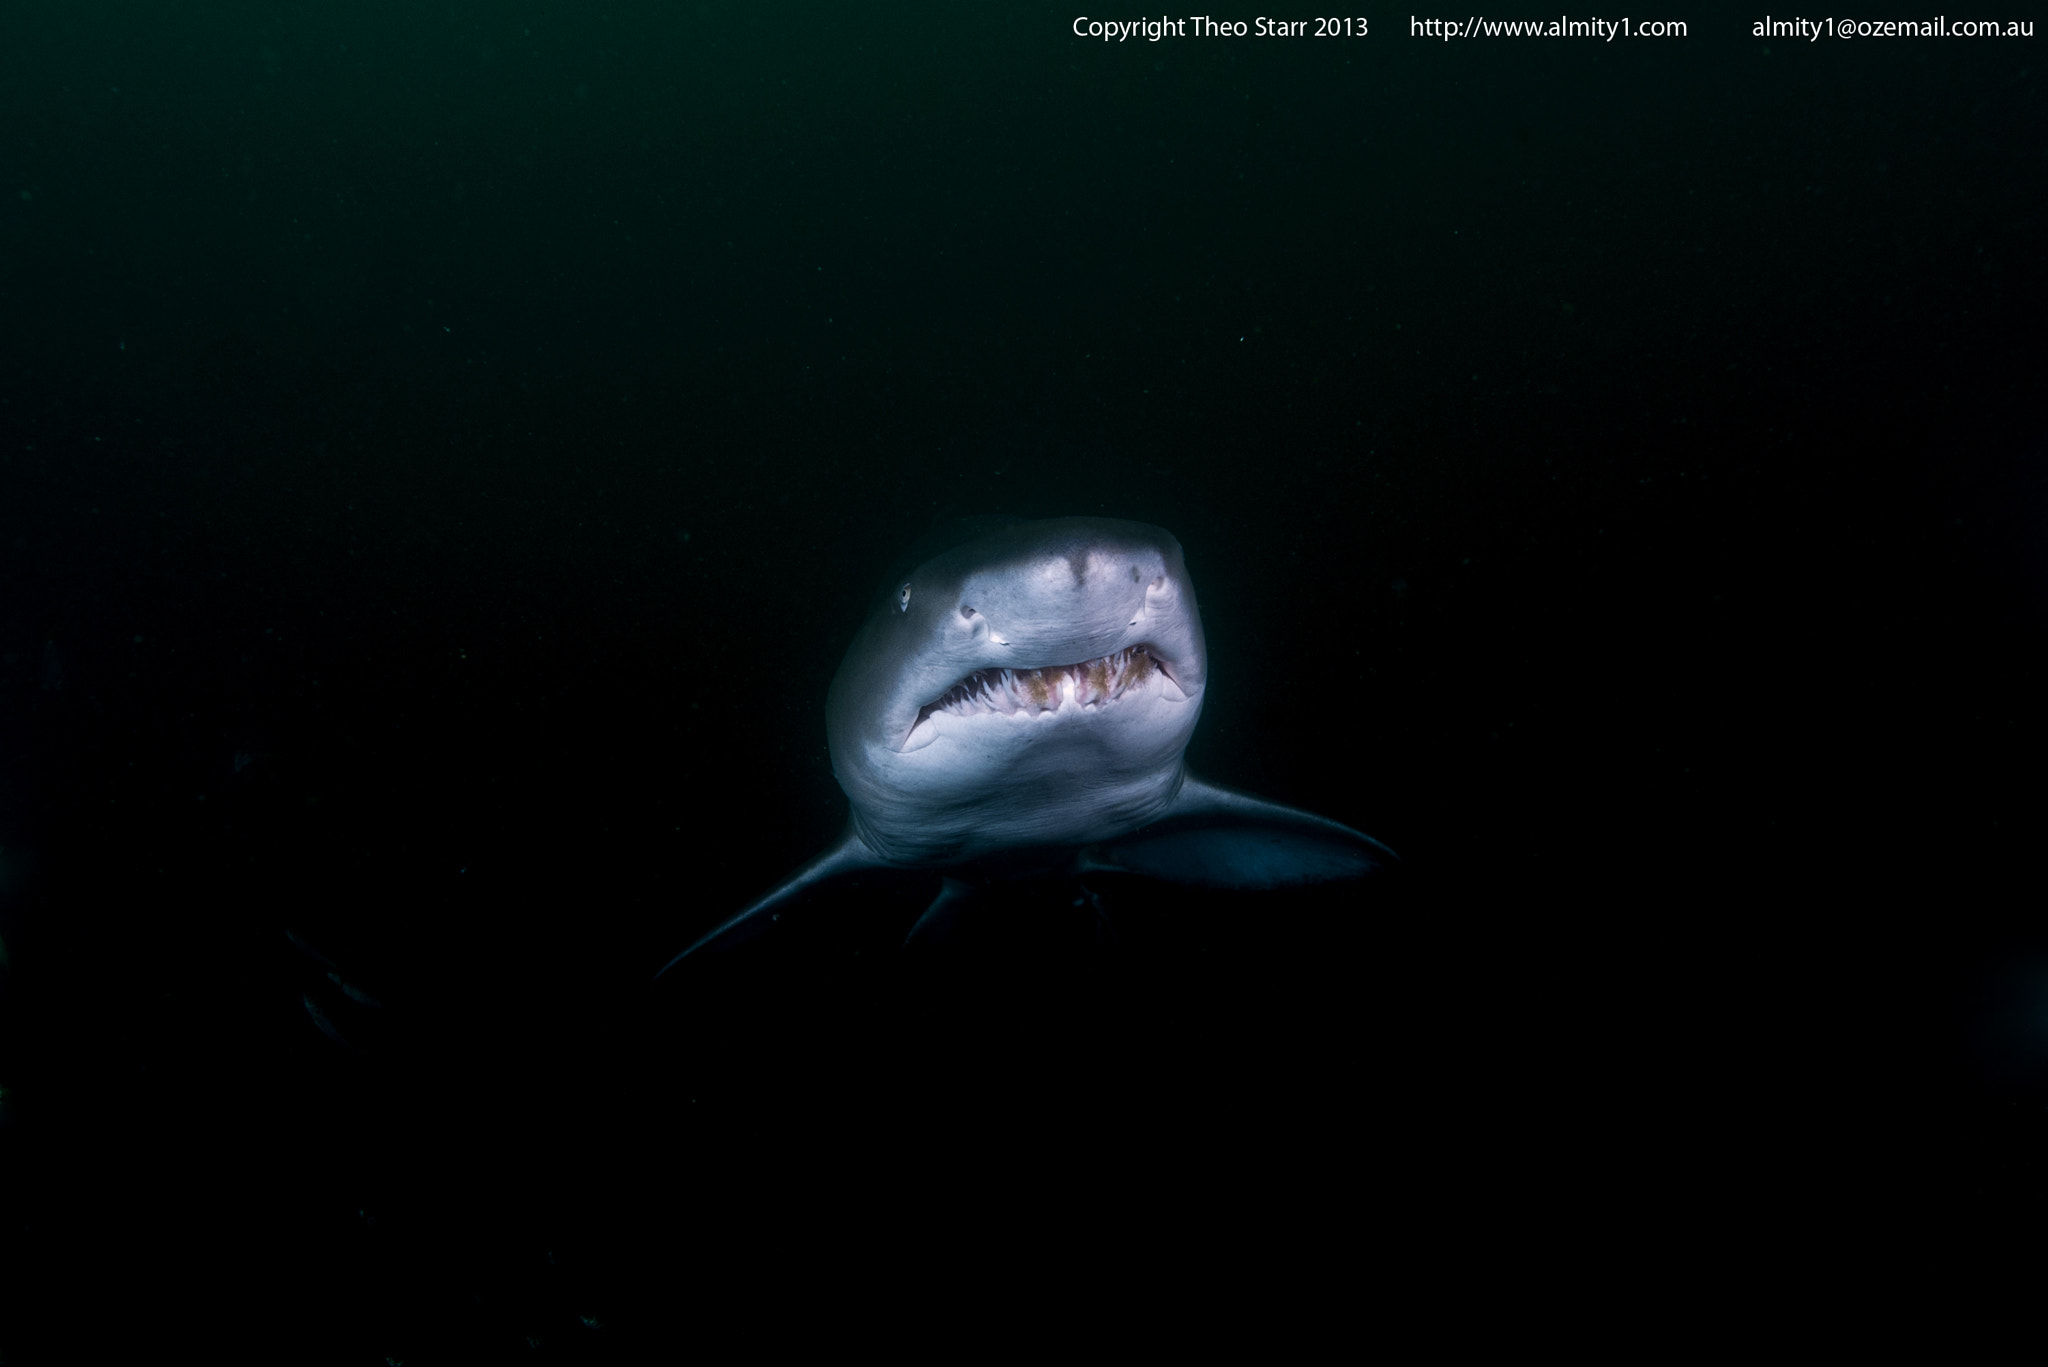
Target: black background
{"points": [[444, 454]]}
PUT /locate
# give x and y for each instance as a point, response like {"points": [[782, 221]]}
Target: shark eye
{"points": [[903, 599]]}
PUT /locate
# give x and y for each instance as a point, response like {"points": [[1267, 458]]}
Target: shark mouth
{"points": [[1092, 683]]}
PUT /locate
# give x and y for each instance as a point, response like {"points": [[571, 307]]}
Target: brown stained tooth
{"points": [[1040, 690]]}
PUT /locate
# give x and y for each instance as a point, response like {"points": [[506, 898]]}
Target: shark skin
{"points": [[1022, 701]]}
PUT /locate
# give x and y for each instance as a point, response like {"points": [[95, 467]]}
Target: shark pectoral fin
{"points": [[941, 918], [845, 857], [1213, 837]]}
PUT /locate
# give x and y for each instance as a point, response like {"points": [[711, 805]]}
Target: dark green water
{"points": [[444, 452]]}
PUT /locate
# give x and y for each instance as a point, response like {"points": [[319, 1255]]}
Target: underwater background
{"points": [[445, 451]]}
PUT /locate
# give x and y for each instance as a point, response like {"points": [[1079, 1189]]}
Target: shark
{"points": [[1023, 698]]}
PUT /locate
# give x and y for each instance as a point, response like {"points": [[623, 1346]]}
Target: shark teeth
{"points": [[1032, 691]]}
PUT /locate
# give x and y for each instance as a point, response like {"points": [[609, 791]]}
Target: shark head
{"points": [[1036, 685]]}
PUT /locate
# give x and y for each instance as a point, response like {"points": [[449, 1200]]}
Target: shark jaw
{"points": [[1136, 672]]}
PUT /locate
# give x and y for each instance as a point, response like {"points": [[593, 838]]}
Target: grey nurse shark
{"points": [[1024, 699]]}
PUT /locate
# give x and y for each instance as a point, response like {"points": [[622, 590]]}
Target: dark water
{"points": [[444, 452]]}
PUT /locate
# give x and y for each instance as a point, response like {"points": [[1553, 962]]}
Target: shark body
{"points": [[1025, 697]]}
